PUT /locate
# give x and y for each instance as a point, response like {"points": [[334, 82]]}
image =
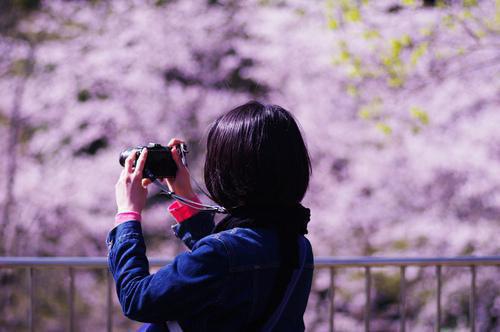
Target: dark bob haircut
{"points": [[256, 158]]}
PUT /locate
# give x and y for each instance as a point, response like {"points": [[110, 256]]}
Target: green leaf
{"points": [[396, 47], [345, 56], [352, 14], [406, 40], [448, 21], [497, 12], [418, 52], [384, 128], [440, 4], [386, 61], [466, 14], [470, 3], [364, 113], [426, 32], [371, 34], [355, 69], [370, 110], [395, 82], [420, 115], [336, 61], [480, 33], [333, 23], [461, 51], [352, 90]]}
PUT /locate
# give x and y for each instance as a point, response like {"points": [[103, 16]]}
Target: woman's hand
{"points": [[130, 192], [181, 184]]}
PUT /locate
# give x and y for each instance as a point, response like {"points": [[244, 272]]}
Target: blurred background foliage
{"points": [[398, 101]]}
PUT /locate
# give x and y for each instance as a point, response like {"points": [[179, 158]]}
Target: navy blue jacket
{"points": [[222, 284]]}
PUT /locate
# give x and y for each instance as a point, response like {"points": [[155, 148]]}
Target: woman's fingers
{"points": [[139, 167], [146, 182], [129, 162], [173, 144], [175, 141], [177, 157]]}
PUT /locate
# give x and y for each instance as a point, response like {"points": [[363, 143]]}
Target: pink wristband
{"points": [[127, 216]]}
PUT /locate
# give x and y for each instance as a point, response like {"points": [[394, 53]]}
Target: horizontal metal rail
{"points": [[323, 262], [367, 263], [319, 262]]}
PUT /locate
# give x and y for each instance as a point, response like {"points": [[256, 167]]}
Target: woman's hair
{"points": [[256, 158]]}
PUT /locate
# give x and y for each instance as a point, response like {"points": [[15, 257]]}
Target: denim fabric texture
{"points": [[222, 283]]}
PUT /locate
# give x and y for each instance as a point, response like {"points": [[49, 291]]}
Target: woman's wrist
{"points": [[181, 211], [124, 216], [129, 208]]}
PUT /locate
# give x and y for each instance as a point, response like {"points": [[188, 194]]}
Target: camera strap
{"points": [[184, 200], [275, 317]]}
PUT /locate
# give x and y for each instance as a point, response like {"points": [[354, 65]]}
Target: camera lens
{"points": [[124, 155]]}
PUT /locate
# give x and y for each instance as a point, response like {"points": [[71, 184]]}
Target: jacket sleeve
{"points": [[191, 282], [195, 228]]}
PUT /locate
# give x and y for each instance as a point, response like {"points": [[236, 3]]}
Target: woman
{"points": [[250, 272]]}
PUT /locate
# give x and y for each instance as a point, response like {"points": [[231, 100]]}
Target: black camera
{"points": [[159, 162]]}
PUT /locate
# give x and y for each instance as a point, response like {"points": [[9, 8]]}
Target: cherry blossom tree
{"points": [[397, 100]]}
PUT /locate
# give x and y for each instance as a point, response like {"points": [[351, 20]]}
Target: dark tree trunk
{"points": [[12, 145]]}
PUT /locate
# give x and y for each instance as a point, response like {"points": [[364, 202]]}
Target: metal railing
{"points": [[72, 263]]}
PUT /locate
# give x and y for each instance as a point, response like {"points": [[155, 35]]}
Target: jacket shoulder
{"points": [[250, 249], [212, 240]]}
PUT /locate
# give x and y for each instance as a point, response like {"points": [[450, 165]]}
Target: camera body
{"points": [[159, 161]]}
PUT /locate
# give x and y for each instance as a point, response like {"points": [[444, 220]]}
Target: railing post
{"points": [[109, 307], [368, 287], [472, 301], [402, 299], [438, 299], [71, 299], [332, 300], [31, 289]]}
